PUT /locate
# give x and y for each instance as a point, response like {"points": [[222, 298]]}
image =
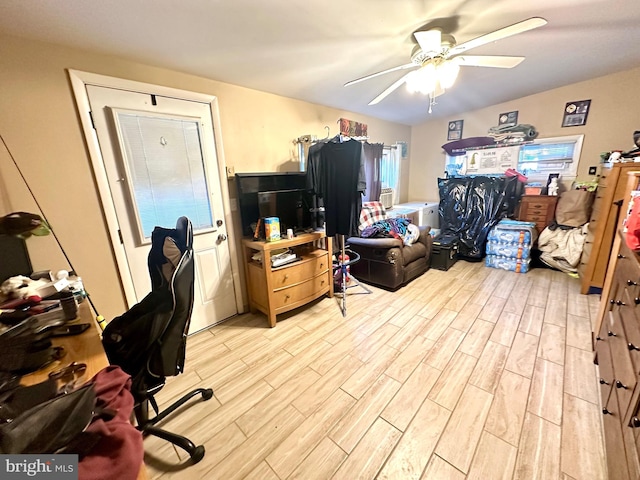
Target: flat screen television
{"points": [[283, 195]]}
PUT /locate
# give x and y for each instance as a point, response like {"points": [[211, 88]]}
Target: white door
{"points": [[160, 162]]}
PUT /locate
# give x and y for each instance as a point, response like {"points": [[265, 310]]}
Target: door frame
{"points": [[79, 80]]}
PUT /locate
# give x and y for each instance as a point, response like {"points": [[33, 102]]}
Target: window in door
{"points": [[160, 192]]}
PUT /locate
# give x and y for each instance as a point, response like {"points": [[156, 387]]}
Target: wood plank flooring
{"points": [[474, 373]]}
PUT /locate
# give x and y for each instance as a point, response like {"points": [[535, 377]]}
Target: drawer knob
{"points": [[611, 334], [620, 303], [632, 347], [635, 422], [636, 300], [286, 276], [599, 338], [619, 384], [621, 256], [321, 265], [631, 283], [604, 382], [606, 412]]}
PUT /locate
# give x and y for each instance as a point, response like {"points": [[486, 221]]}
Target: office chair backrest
{"points": [[149, 340], [168, 358]]}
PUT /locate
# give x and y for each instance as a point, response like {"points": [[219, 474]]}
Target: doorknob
{"points": [[219, 223], [222, 237]]}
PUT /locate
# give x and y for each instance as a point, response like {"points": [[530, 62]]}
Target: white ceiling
{"points": [[307, 49]]}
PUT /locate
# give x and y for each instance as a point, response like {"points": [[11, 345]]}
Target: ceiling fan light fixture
{"points": [[423, 80], [447, 73]]}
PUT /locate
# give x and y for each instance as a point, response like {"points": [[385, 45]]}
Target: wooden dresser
{"points": [[602, 224], [618, 356], [539, 209], [617, 347], [274, 290]]}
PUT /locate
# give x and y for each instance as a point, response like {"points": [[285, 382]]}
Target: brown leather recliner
{"points": [[388, 262]]}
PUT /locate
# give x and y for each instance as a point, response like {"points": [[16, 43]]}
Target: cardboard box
{"points": [[272, 229]]}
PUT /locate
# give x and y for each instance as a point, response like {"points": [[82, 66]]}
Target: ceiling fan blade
{"points": [[505, 32], [430, 41], [495, 61], [367, 77], [391, 88]]}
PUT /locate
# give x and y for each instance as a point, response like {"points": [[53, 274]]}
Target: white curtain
{"points": [[390, 171]]}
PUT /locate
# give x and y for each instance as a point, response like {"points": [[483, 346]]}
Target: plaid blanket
{"points": [[391, 227], [371, 212]]}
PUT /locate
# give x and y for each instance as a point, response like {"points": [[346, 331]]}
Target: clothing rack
{"points": [[346, 278], [347, 281]]}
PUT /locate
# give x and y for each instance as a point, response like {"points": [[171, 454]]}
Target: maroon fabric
{"points": [[119, 452]]}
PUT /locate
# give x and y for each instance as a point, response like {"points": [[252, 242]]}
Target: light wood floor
{"points": [[473, 373]]}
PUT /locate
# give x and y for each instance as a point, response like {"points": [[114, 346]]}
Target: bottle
{"points": [[68, 304]]}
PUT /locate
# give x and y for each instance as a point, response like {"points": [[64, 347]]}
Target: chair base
{"points": [[146, 424]]}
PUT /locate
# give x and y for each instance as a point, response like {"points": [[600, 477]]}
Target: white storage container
{"points": [[426, 213]]}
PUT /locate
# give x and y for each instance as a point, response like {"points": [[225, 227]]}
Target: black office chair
{"points": [[149, 340]]}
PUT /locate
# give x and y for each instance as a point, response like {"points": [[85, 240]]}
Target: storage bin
{"points": [[444, 253]]}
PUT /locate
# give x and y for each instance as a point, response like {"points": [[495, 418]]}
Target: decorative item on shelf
{"points": [[552, 184], [534, 188]]}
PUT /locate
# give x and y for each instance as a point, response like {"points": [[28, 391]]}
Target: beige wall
{"points": [[613, 117], [38, 120]]}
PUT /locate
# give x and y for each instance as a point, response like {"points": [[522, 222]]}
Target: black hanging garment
{"points": [[340, 181]]}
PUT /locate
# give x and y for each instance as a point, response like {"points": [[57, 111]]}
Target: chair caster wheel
{"points": [[198, 454], [207, 394]]}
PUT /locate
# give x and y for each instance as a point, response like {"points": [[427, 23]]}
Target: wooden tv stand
{"points": [[274, 290]]}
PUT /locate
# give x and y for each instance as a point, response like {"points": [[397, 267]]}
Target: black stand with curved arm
{"points": [[346, 277]]}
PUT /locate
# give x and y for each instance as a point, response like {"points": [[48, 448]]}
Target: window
{"points": [[390, 171], [551, 155], [159, 191]]}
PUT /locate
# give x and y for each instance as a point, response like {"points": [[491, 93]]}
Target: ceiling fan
{"points": [[438, 58]]}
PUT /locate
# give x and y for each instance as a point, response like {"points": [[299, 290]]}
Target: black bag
{"points": [[54, 426], [27, 346]]}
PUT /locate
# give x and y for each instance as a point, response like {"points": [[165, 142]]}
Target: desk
{"points": [[84, 348]]}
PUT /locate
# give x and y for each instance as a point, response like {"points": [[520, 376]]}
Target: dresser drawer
{"points": [[623, 369], [627, 269], [616, 457], [299, 272], [629, 316], [535, 211], [603, 179], [605, 368], [300, 292]]}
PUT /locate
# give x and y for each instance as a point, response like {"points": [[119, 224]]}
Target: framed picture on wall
{"points": [[508, 119], [575, 113], [454, 132]]}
